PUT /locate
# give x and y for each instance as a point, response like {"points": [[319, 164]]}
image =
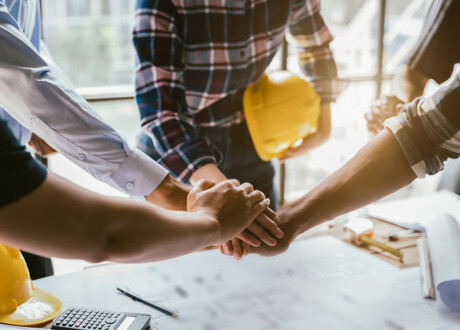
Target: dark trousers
{"points": [[238, 160], [38, 266]]}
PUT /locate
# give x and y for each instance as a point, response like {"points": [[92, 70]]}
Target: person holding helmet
{"points": [[194, 63]]}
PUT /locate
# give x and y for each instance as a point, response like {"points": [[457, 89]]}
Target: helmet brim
{"points": [[42, 307]]}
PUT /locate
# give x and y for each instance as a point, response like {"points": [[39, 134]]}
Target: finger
{"points": [[273, 216], [261, 234], [256, 196], [203, 185], [228, 248], [221, 249], [237, 249], [248, 188], [248, 238], [269, 225], [258, 208], [234, 182], [246, 248]]}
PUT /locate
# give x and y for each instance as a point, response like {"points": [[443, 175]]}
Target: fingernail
{"points": [[272, 242], [267, 200], [279, 233]]}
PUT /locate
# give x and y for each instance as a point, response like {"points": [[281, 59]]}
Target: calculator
{"points": [[76, 319]]}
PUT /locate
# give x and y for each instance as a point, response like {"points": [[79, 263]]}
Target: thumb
{"points": [[204, 184]]}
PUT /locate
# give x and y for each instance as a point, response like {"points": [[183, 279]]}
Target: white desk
{"points": [[320, 283]]}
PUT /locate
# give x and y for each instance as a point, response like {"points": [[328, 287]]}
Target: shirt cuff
{"points": [[138, 175], [408, 147], [329, 90]]}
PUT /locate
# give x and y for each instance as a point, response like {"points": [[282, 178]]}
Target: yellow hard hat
{"points": [[21, 303], [279, 111]]}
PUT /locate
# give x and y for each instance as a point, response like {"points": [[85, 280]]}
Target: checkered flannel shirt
{"points": [[428, 129], [194, 59]]}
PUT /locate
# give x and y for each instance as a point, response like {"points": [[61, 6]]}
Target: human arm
{"points": [[40, 101], [417, 142], [63, 220], [310, 35]]}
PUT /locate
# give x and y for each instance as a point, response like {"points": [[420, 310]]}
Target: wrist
{"points": [[303, 214], [170, 194]]}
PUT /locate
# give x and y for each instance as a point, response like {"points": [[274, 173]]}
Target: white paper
{"points": [[321, 283], [444, 249], [417, 212]]}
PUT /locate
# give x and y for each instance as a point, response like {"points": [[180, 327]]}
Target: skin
{"points": [[263, 230], [241, 245], [407, 85], [59, 219], [381, 162]]}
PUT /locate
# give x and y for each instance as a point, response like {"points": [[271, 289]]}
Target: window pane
{"points": [[349, 134], [404, 21], [91, 40]]}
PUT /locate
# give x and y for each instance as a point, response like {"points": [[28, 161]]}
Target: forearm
{"points": [[207, 172], [62, 220], [408, 84], [171, 194], [379, 169]]}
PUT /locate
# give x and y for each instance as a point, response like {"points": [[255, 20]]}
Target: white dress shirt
{"points": [[43, 103]]}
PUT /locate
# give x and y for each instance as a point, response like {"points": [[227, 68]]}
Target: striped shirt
{"points": [[428, 129], [195, 58]]}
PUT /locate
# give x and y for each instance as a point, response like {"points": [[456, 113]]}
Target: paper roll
{"points": [[444, 249]]}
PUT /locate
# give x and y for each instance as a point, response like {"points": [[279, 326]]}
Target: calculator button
{"points": [[111, 320]]}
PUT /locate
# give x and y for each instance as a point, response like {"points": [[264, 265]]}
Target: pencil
{"points": [[145, 302]]}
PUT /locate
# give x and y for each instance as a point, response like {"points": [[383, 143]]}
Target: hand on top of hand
{"points": [[264, 230], [232, 205]]}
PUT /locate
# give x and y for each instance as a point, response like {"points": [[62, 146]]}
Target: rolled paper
{"points": [[443, 238]]}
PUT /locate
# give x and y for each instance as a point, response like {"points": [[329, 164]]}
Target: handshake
{"points": [[241, 215]]}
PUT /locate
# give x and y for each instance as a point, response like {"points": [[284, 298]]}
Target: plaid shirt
{"points": [[428, 129], [195, 59]]}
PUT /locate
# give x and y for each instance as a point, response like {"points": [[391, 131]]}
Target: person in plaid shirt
{"points": [[194, 61]]}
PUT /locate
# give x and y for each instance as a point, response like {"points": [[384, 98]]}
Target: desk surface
{"points": [[317, 283]]}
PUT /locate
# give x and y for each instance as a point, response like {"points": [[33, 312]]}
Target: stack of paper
{"points": [[417, 212]]}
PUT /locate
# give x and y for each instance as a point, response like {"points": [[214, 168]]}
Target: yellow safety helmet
{"points": [[279, 111], [21, 303]]}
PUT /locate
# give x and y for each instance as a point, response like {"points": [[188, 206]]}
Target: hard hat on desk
{"points": [[279, 111], [21, 303]]}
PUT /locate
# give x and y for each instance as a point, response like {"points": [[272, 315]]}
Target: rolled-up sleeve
{"points": [[44, 104], [310, 34], [428, 129]]}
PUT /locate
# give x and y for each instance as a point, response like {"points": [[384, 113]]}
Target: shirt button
{"points": [[81, 157], [130, 185], [242, 53]]}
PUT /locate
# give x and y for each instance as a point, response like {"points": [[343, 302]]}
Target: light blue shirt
{"points": [[27, 14], [44, 104]]}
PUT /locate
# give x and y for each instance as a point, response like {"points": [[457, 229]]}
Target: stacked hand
{"points": [[232, 206], [263, 231], [387, 106]]}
